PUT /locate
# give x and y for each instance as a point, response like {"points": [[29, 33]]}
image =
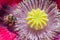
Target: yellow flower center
{"points": [[37, 19]]}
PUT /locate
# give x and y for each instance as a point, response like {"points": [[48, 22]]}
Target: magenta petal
{"points": [[6, 35]]}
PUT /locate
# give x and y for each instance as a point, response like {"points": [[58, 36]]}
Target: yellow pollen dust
{"points": [[37, 19]]}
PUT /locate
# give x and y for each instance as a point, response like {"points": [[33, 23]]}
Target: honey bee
{"points": [[10, 20]]}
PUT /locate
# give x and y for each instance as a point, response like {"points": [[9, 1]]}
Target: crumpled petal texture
{"points": [[5, 34], [9, 2], [58, 3]]}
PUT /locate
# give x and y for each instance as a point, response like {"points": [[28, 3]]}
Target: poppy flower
{"points": [[5, 34], [36, 19]]}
